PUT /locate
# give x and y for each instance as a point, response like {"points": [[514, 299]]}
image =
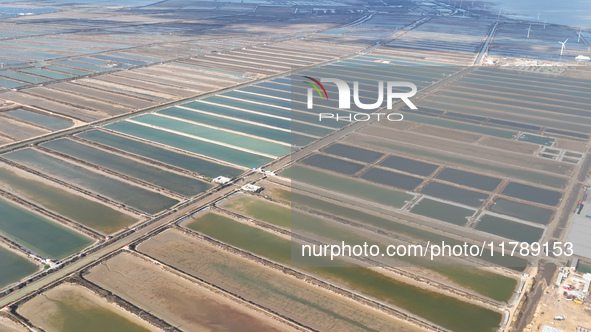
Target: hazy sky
{"points": [[567, 12]]}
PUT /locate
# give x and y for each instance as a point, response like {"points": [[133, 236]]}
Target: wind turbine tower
{"points": [[563, 46], [528, 31]]}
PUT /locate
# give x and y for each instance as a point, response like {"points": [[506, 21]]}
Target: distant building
{"points": [[585, 280], [252, 188], [221, 180], [560, 278], [49, 262]]}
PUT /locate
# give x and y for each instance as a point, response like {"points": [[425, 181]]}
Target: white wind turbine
{"points": [[528, 31], [563, 46]]}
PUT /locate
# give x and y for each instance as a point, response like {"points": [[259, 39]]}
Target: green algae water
{"points": [[14, 267], [84, 211], [223, 153], [134, 196], [39, 234], [216, 121], [159, 177], [200, 166], [348, 186], [259, 209], [443, 310], [241, 141], [493, 285], [290, 297]]}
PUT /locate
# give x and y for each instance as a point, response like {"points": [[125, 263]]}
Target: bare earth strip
{"points": [[7, 325], [50, 309], [289, 297], [178, 301]]}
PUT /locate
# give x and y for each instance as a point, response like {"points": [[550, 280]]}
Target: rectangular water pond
{"points": [[14, 267], [97, 216], [333, 164], [39, 234], [47, 121], [353, 152], [215, 135], [536, 139], [180, 184], [454, 194], [10, 84], [393, 179], [69, 70], [348, 186], [223, 153], [409, 165], [509, 229], [73, 308], [23, 77], [235, 125], [46, 73], [289, 297], [469, 179], [436, 308], [134, 196], [442, 211], [260, 209], [200, 166], [532, 194], [522, 211]]}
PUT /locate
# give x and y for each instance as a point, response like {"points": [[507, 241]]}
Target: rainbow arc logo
{"points": [[316, 87]]}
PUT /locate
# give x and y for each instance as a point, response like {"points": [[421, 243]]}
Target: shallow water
{"points": [[181, 184], [509, 229], [454, 194], [442, 211], [190, 163], [446, 311], [532, 194], [39, 234], [14, 267], [469, 179], [522, 211], [43, 120], [84, 211], [211, 150], [139, 198]]}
